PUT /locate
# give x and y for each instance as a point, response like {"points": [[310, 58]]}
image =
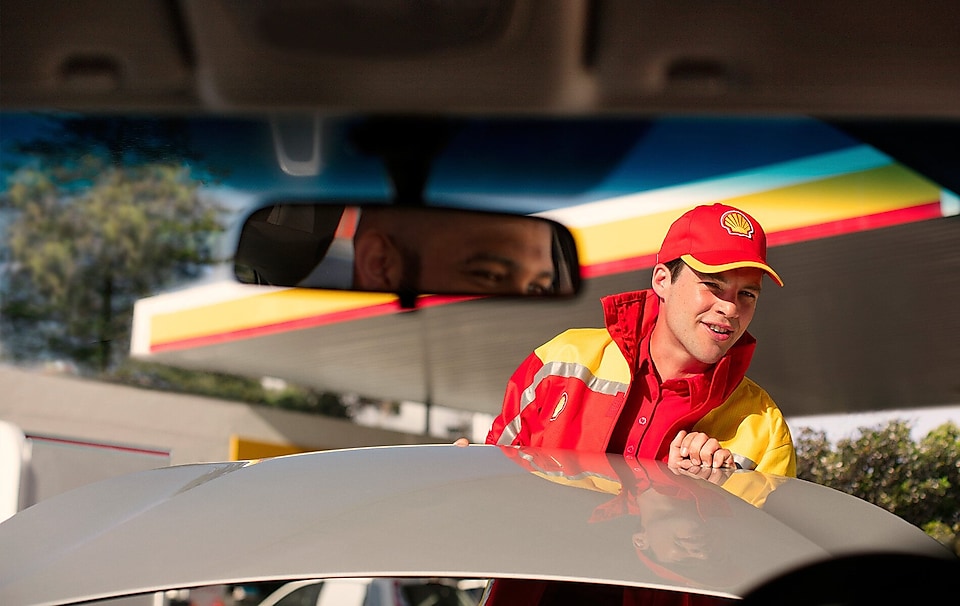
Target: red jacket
{"points": [[570, 392]]}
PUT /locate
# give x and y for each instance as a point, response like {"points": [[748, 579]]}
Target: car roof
{"points": [[435, 510]]}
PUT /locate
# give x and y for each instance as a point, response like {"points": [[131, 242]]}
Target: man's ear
{"points": [[377, 264], [661, 279]]}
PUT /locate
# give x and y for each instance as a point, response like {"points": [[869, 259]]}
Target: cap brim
{"points": [[715, 269]]}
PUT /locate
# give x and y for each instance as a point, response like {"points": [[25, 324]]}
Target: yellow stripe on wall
{"points": [[263, 309], [847, 196]]}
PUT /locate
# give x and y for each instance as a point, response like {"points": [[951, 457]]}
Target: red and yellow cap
{"points": [[714, 238]]}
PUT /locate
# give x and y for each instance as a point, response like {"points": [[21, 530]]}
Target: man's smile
{"points": [[720, 330]]}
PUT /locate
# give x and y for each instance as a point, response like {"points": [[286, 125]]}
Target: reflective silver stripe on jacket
{"points": [[743, 462], [563, 370], [574, 477]]}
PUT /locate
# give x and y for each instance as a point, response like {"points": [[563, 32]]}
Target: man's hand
{"points": [[697, 449], [714, 476], [461, 442]]}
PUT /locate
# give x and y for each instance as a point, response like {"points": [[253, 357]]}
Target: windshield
{"points": [[156, 207]]}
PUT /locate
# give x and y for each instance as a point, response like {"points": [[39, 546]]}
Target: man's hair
{"points": [[675, 267]]}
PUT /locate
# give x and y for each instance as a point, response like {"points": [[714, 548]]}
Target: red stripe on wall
{"points": [[619, 266], [930, 210], [300, 323], [71, 442]]}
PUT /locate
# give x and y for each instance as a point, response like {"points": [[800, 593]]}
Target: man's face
{"points": [[704, 314], [487, 255]]}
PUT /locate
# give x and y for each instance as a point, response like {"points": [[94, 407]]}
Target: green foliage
{"points": [[102, 212], [99, 219], [229, 387], [918, 481]]}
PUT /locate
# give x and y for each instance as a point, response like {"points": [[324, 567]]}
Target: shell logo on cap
{"points": [[561, 404], [737, 224]]}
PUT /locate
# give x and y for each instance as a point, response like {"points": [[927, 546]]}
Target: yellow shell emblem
{"points": [[736, 224]]}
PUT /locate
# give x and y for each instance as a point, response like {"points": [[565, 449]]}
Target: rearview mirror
{"points": [[406, 250]]}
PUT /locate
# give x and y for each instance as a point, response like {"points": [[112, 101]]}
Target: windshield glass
{"points": [[103, 212]]}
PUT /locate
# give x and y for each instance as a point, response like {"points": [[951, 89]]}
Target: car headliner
{"points": [[441, 510], [496, 56]]}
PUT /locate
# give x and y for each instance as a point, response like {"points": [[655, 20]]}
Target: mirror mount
{"points": [[407, 300], [408, 148]]}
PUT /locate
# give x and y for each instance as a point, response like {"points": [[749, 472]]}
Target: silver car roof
{"points": [[443, 510]]}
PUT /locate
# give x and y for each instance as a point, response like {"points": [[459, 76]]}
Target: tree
{"points": [[918, 481], [104, 212]]}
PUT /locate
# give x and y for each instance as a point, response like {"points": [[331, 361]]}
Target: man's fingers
{"points": [[705, 473], [685, 465], [695, 447], [686, 444], [678, 442], [675, 455], [708, 453]]}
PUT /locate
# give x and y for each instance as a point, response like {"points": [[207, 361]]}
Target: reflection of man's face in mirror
{"points": [[489, 255], [452, 252]]}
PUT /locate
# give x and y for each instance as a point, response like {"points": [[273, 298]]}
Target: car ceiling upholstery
{"points": [[559, 57]]}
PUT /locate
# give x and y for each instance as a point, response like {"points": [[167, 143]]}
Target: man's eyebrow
{"points": [[509, 263], [757, 287], [704, 276], [487, 256]]}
